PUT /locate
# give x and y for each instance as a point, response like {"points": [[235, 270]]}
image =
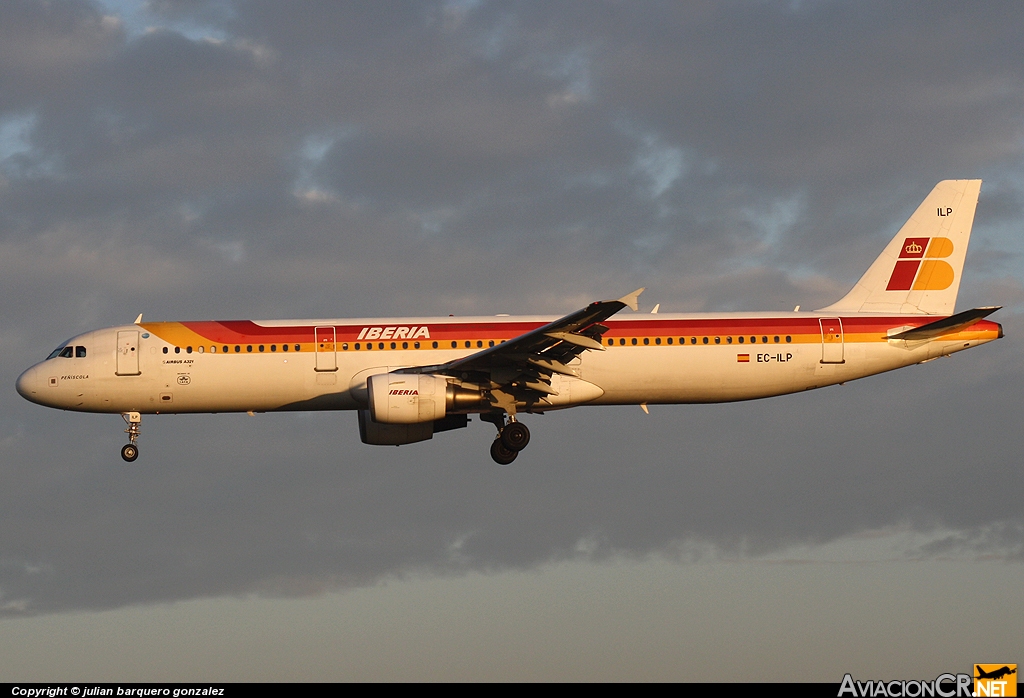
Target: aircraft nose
{"points": [[27, 385]]}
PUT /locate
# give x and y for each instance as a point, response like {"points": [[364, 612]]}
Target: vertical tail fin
{"points": [[919, 270]]}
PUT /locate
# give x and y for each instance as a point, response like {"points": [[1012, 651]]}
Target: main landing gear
{"points": [[134, 421], [512, 438]]}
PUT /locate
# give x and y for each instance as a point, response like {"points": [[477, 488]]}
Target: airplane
{"points": [[995, 674], [410, 378]]}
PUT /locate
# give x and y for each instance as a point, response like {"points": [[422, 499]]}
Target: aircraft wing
{"points": [[527, 361]]}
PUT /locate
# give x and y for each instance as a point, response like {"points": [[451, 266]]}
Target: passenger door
{"points": [[128, 353]]}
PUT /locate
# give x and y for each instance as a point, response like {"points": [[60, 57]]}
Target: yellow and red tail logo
{"points": [[920, 266]]}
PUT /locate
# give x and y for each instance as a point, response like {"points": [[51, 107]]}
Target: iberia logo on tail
{"points": [[921, 266]]}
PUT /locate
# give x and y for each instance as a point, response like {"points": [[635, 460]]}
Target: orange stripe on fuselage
{"points": [[801, 331]]}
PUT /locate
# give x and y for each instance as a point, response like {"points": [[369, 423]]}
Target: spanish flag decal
{"points": [[743, 358]]}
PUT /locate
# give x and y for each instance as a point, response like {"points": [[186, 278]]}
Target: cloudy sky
{"points": [[217, 160]]}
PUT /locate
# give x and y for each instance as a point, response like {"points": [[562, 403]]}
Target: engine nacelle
{"points": [[400, 398], [376, 434]]}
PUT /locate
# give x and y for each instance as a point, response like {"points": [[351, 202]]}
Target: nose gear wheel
{"points": [[130, 451]]}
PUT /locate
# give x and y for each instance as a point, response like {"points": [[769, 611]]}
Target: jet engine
{"points": [[411, 398]]}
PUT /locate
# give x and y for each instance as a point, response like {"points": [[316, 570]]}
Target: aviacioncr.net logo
{"points": [[943, 686]]}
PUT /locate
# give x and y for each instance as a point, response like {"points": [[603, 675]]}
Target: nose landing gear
{"points": [[134, 421], [512, 438]]}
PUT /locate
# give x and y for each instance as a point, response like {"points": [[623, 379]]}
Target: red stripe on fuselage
{"points": [[247, 331]]}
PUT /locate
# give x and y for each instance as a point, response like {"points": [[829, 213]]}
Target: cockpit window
{"points": [[79, 352], [59, 350], [67, 352]]}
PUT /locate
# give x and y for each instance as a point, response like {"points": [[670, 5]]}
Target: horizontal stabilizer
{"points": [[949, 325]]}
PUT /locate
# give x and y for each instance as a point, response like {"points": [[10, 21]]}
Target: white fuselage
{"points": [[287, 365]]}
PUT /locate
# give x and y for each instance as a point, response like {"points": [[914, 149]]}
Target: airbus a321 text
{"points": [[409, 378]]}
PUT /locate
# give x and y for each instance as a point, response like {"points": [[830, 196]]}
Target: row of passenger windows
{"points": [[704, 340], [249, 348], [238, 348], [416, 345], [368, 346]]}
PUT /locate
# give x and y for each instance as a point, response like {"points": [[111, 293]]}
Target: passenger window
{"points": [[393, 345], [67, 352], [647, 340], [188, 350], [753, 340], [479, 344], [344, 346], [357, 346], [611, 342], [693, 340], [273, 347], [728, 340], [434, 345], [741, 339], [669, 340], [622, 341], [490, 343], [788, 339], [369, 346], [261, 347], [248, 348], [467, 344], [764, 340], [405, 345], [454, 344], [296, 347], [416, 345], [177, 350], [380, 345], [633, 341], [776, 339], [705, 340], [165, 350], [284, 347], [201, 348], [213, 349], [79, 352], [718, 340]]}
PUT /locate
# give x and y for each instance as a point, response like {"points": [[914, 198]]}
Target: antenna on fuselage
{"points": [[138, 320]]}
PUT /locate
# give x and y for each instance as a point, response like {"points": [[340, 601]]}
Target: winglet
{"points": [[138, 320], [631, 300]]}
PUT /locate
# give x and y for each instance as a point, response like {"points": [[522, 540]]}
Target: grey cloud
{"points": [[424, 158]]}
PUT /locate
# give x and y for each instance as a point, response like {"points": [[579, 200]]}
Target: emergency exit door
{"points": [[831, 340], [326, 360]]}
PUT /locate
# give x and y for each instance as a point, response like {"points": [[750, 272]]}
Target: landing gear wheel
{"points": [[129, 452], [515, 436], [502, 455]]}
